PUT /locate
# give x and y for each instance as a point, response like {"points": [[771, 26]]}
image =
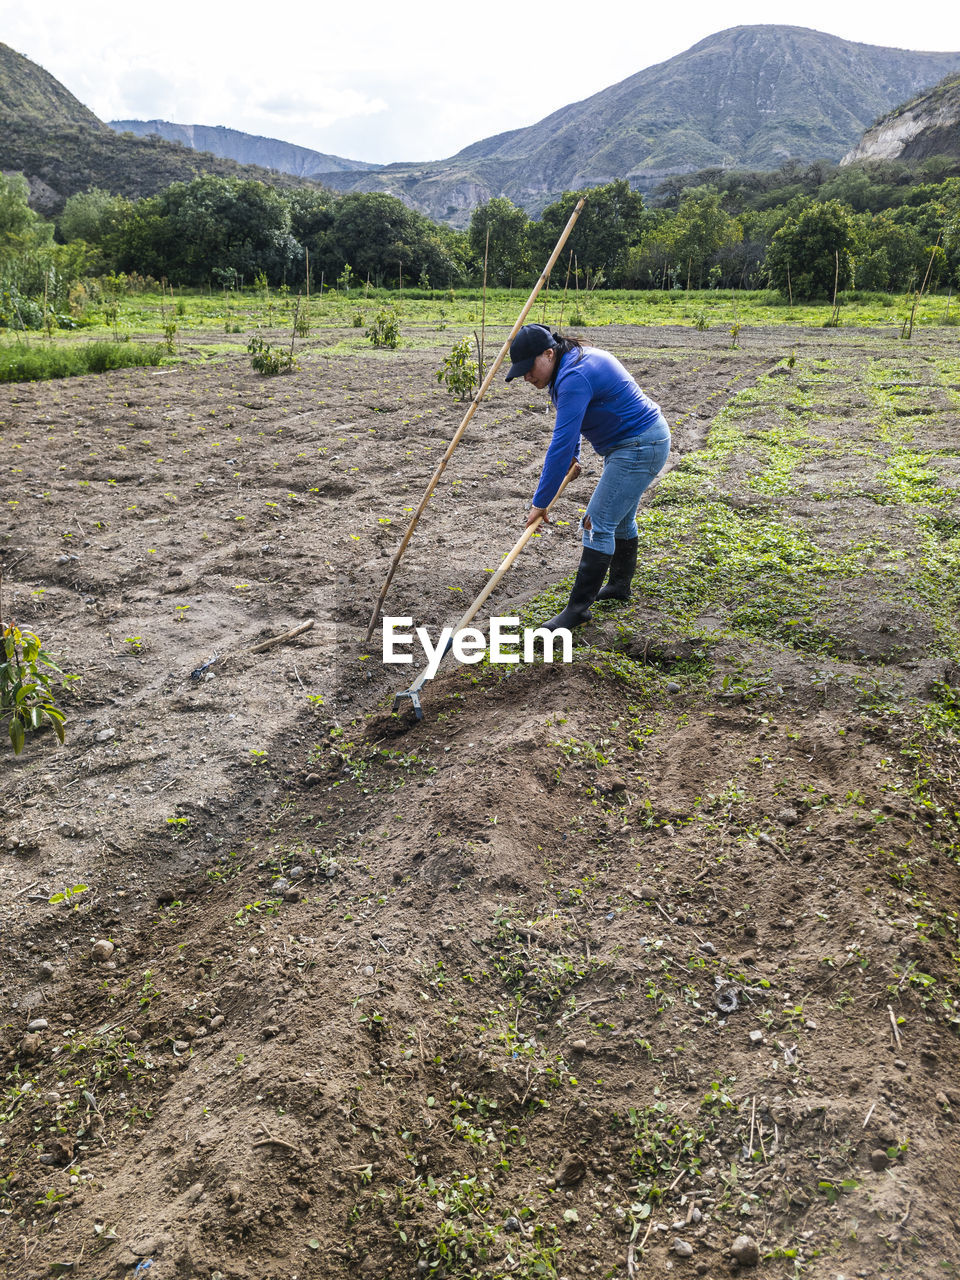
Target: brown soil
{"points": [[455, 997]]}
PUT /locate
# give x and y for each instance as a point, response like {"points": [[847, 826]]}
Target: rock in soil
{"points": [[571, 1171], [746, 1252]]}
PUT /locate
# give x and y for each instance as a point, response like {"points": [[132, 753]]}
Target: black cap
{"points": [[530, 341]]}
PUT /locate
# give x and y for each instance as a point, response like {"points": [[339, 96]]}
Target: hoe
{"points": [[413, 693]]}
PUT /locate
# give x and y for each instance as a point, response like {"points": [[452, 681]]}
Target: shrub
{"points": [[27, 674], [18, 312], [385, 330], [268, 360], [458, 371]]}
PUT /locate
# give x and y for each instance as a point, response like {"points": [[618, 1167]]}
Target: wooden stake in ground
{"points": [[293, 336], [563, 301], [834, 321], [483, 313], [923, 287], [484, 387]]}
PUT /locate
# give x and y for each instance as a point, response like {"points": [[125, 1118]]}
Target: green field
{"points": [[185, 318]]}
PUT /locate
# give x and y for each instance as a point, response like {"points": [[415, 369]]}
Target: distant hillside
{"points": [[61, 147], [30, 95], [928, 125], [245, 148], [746, 98], [750, 97]]}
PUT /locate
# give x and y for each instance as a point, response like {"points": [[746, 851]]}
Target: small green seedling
{"points": [[68, 895]]}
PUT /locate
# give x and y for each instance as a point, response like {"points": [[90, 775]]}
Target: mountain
{"points": [[245, 148], [926, 126], [30, 95], [62, 147], [750, 97]]}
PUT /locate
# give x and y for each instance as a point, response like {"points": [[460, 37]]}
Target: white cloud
{"points": [[323, 111], [145, 94]]}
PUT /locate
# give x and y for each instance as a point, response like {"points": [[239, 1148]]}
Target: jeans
{"points": [[627, 470]]}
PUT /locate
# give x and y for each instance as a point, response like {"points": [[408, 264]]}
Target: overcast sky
{"points": [[394, 81]]}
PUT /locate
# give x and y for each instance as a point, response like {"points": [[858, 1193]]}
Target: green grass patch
{"points": [[908, 480], [763, 575], [458, 312], [19, 363]]}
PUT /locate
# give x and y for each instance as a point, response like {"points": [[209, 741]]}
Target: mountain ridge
{"points": [[928, 125], [29, 94], [244, 148], [747, 97], [61, 147], [810, 95]]}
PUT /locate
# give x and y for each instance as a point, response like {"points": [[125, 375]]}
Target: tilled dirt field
{"points": [[646, 963]]}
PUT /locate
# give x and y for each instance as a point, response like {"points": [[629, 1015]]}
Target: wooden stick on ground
{"points": [[278, 1142], [273, 641], [484, 387], [893, 1023]]}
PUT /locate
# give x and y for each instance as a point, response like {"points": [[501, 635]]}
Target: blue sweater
{"points": [[597, 398]]}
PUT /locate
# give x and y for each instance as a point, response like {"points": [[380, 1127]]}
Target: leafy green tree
{"points": [[509, 255], [191, 228], [17, 219], [90, 215], [311, 212], [933, 209], [381, 238], [91, 220], [651, 261], [701, 230], [815, 248], [611, 222], [143, 240], [28, 255], [951, 247], [888, 256], [855, 186]]}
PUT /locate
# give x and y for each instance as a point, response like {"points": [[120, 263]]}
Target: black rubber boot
{"points": [[590, 575], [622, 568]]}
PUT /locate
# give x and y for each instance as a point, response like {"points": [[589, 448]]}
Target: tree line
{"points": [[804, 231], [799, 230]]}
